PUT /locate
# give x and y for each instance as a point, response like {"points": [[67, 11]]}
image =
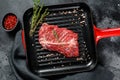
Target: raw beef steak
{"points": [[62, 40]]}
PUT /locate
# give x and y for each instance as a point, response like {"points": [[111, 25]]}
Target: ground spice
{"points": [[10, 22]]}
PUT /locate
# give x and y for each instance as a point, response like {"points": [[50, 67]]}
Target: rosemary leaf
{"points": [[42, 17], [55, 35]]}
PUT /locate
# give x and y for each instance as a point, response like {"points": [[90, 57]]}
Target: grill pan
{"points": [[76, 17]]}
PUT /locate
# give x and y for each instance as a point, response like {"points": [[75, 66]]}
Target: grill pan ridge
{"points": [[75, 17]]}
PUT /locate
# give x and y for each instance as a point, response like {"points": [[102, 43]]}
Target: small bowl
{"points": [[10, 22]]}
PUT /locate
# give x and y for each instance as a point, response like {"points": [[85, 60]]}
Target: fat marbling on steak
{"points": [[62, 40]]}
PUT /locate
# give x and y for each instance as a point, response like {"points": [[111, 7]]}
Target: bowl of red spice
{"points": [[10, 22]]}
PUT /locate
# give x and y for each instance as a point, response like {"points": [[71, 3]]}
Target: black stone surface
{"points": [[106, 14]]}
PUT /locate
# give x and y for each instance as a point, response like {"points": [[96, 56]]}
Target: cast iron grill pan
{"points": [[75, 17]]}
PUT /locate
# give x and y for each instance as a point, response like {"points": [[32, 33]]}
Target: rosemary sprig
{"points": [[37, 17]]}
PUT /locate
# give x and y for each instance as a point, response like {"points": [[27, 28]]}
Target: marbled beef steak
{"points": [[62, 40]]}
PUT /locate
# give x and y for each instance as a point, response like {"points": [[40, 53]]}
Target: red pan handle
{"points": [[103, 33], [23, 40]]}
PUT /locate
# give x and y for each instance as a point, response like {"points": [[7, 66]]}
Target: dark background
{"points": [[106, 14]]}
